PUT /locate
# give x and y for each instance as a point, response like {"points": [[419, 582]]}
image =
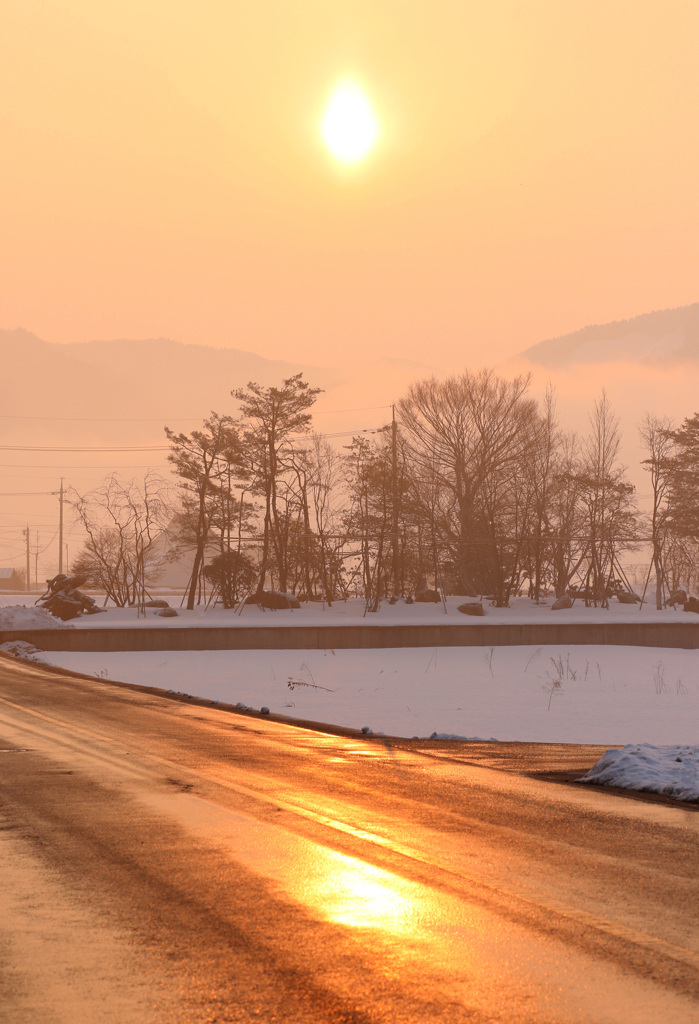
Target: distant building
{"points": [[176, 562], [10, 579]]}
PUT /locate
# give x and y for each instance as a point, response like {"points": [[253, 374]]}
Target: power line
{"points": [[102, 419], [83, 448], [161, 419], [10, 519], [41, 551], [366, 408], [162, 447], [340, 433], [62, 465]]}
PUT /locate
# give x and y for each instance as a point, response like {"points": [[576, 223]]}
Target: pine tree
{"points": [[274, 416]]}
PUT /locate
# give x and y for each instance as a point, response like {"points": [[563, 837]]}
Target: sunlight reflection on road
{"points": [[424, 935], [362, 896]]}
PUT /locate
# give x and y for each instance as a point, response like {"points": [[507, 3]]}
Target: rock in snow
{"points": [[276, 599], [471, 608], [671, 771]]}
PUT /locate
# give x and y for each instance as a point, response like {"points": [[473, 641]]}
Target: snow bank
{"points": [[18, 616], [672, 771], [462, 739], [21, 649]]}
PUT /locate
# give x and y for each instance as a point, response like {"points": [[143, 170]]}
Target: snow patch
{"points": [[464, 739], [671, 771], [18, 616], [25, 651]]}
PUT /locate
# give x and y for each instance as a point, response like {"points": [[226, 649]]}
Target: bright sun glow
{"points": [[349, 125]]}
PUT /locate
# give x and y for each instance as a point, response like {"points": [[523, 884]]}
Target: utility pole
{"points": [[394, 486], [28, 581], [60, 528], [61, 498]]}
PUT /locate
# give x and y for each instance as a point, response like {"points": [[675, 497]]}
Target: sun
{"points": [[349, 126]]}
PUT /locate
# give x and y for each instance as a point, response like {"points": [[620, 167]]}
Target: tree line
{"points": [[473, 488]]}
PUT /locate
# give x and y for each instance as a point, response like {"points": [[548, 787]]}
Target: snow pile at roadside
{"points": [[671, 771], [18, 616], [21, 649], [462, 739]]}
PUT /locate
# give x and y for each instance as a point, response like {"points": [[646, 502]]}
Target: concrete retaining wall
{"points": [[652, 634]]}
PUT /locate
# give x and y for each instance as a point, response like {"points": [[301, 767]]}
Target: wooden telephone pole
{"points": [[28, 582], [61, 498], [60, 528], [394, 486]]}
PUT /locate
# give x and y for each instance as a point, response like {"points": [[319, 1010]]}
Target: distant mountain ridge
{"points": [[157, 379], [667, 337], [103, 392]]}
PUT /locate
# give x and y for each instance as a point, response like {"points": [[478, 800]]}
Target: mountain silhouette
{"points": [[667, 337]]}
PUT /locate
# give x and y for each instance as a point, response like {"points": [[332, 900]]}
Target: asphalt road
{"points": [[171, 862]]}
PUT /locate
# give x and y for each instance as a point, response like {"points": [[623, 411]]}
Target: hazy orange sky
{"points": [[162, 172]]}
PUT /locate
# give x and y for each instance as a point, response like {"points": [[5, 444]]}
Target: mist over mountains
{"points": [[667, 337], [127, 390], [122, 393], [141, 385], [132, 382]]}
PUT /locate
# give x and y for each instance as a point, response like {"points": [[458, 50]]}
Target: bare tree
{"points": [[122, 520], [313, 537], [657, 440], [609, 512], [541, 474], [567, 544], [368, 516], [204, 460], [472, 434], [324, 484]]}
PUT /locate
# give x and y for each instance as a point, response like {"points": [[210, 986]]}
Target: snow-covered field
{"points": [[352, 612], [611, 695], [646, 698]]}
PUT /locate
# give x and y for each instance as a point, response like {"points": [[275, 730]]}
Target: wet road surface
{"points": [[165, 861]]}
